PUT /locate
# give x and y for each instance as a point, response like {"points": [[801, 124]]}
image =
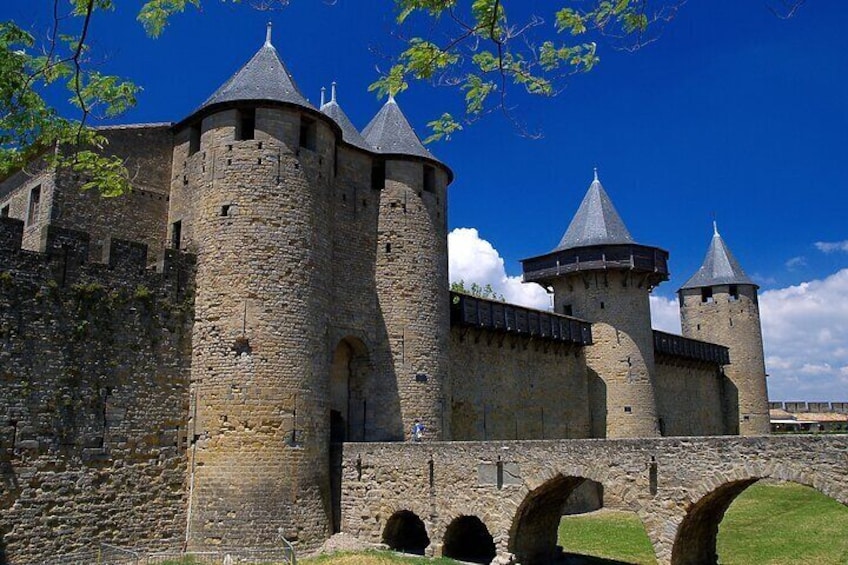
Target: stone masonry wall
{"points": [[16, 193], [261, 227], [509, 387], [621, 359], [412, 279], [690, 398], [139, 215], [733, 321], [94, 360]]}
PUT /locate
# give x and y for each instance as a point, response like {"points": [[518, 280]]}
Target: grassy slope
{"points": [[766, 524]]}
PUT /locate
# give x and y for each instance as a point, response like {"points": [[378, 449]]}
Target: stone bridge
{"points": [[457, 494]]}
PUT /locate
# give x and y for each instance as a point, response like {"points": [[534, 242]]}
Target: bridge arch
{"points": [[468, 539], [533, 533], [695, 540], [406, 532]]}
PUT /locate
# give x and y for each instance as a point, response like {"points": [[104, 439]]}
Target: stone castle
{"points": [[183, 365]]}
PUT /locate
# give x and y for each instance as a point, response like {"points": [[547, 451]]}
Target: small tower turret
{"points": [[719, 304], [412, 269], [599, 273]]}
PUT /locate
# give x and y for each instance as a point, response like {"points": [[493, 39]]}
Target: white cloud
{"points": [[796, 262], [832, 246], [473, 259], [665, 314], [805, 327]]}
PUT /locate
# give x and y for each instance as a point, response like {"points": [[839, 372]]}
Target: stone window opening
{"points": [[429, 179], [707, 295], [176, 234], [308, 133], [733, 292], [378, 175], [568, 310], [34, 205], [194, 139], [4, 211], [246, 127], [628, 409], [226, 210]]}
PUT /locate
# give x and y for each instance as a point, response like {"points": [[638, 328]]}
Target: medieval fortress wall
{"points": [[94, 404], [295, 298]]}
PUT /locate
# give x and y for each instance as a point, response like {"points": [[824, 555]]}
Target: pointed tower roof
{"points": [[349, 133], [389, 133], [263, 77], [596, 222], [719, 267]]}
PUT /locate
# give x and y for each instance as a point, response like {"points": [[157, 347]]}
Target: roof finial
{"points": [[323, 93], [268, 34], [333, 92], [715, 227], [596, 174], [392, 98]]}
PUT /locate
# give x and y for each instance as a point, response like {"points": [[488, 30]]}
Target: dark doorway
{"points": [[468, 539], [405, 532]]}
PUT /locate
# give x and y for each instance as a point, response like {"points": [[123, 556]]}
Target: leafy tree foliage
{"points": [[476, 290]]}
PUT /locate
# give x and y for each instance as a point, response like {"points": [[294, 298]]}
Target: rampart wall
{"points": [[690, 398], [515, 387], [94, 362]]}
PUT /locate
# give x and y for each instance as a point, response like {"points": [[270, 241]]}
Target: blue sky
{"points": [[732, 112]]}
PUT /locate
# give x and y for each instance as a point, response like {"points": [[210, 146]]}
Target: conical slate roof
{"points": [[264, 77], [390, 133], [349, 133], [719, 267], [596, 222]]}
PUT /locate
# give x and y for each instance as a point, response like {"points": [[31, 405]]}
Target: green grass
{"points": [[767, 524], [790, 523], [609, 534]]}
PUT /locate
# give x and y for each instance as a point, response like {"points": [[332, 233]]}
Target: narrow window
{"points": [[4, 212], [246, 127], [225, 210], [34, 205], [429, 178], [706, 294], [568, 310], [176, 234], [628, 409], [308, 132], [194, 139], [734, 292], [378, 175]]}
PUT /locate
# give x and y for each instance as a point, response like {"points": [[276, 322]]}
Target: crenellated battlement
{"points": [[63, 258]]}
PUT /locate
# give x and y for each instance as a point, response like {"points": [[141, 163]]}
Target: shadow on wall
{"points": [[597, 404], [405, 532]]}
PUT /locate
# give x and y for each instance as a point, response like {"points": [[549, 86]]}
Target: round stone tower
{"points": [[599, 273], [250, 197], [412, 273], [719, 304]]}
